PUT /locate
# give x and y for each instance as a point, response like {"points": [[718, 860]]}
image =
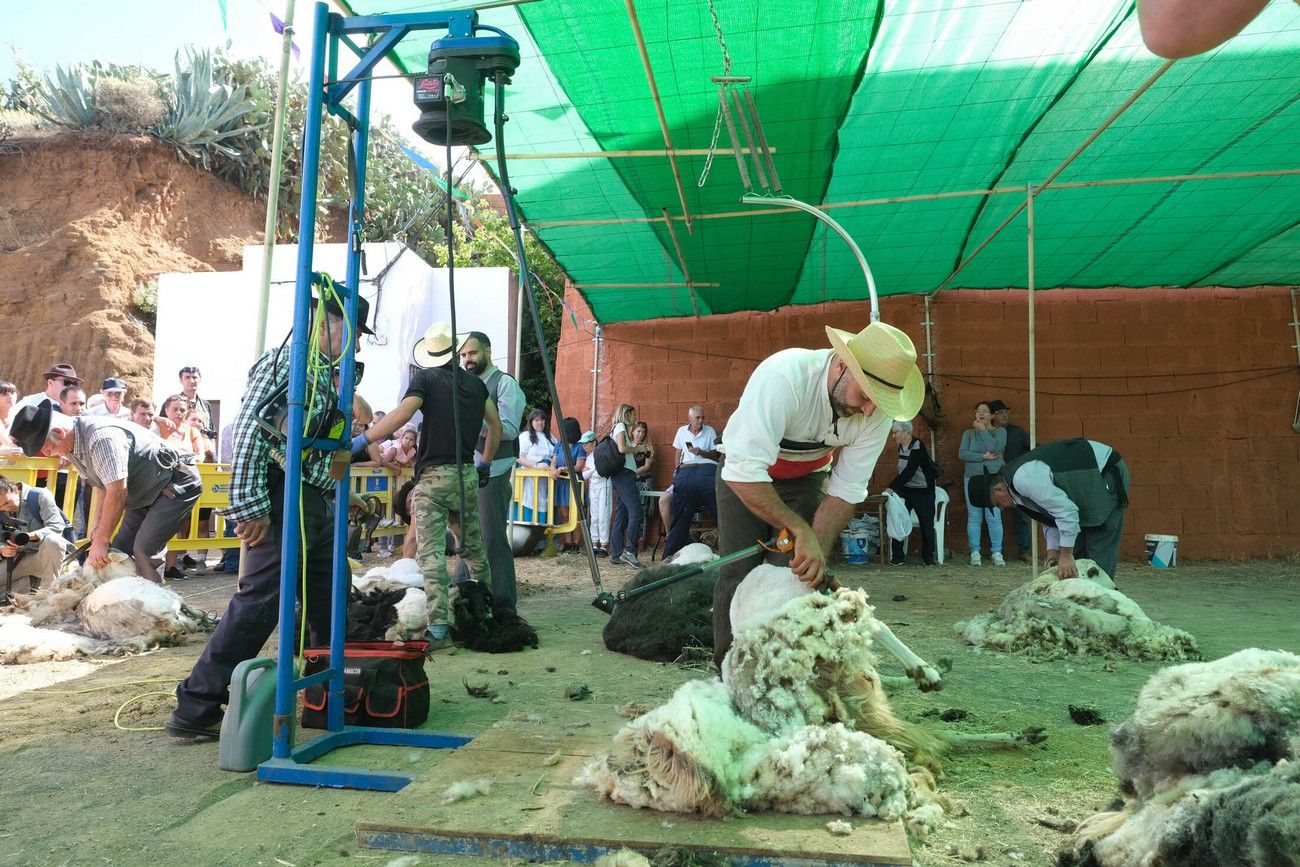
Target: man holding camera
{"points": [[32, 528], [694, 478]]}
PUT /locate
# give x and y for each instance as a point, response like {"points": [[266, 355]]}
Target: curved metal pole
{"points": [[825, 218]]}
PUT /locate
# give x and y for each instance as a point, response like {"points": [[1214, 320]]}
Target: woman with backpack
{"points": [[627, 520], [915, 484]]}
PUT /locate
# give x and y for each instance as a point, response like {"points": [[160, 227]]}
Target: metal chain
{"points": [[722, 94]]}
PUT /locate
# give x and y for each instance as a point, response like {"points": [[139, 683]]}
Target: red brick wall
{"points": [[1153, 372]]}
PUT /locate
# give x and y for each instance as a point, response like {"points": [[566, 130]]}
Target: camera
{"points": [[10, 534]]}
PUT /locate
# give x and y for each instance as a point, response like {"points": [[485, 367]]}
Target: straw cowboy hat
{"points": [[436, 347], [883, 361]]}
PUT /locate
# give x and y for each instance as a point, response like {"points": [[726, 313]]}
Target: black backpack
{"points": [[609, 460]]}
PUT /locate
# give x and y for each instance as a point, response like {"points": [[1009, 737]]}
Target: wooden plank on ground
{"points": [[535, 811]]}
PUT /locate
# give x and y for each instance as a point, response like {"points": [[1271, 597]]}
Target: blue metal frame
{"points": [[287, 763]]}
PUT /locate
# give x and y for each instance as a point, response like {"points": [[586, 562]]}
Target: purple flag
{"points": [[278, 25]]}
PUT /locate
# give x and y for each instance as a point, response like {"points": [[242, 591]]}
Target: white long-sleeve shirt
{"points": [[1035, 489], [787, 398]]}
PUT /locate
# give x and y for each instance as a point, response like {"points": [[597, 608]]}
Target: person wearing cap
{"points": [[57, 378], [695, 478], [1017, 445], [1077, 488], [494, 497], [113, 391], [598, 498], [143, 482], [257, 495], [446, 480], [798, 407]]}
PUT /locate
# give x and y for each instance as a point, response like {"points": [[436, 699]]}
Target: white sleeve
{"points": [[755, 430], [1034, 481], [679, 441], [1053, 537], [858, 459]]}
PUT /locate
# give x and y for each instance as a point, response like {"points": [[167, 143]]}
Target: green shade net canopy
{"points": [[923, 104]]}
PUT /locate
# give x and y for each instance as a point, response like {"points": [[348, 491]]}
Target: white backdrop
{"points": [[209, 319]]}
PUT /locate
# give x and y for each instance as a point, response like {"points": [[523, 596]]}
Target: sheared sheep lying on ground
{"points": [[799, 723], [1049, 618], [664, 623], [91, 612], [1208, 761], [388, 603]]}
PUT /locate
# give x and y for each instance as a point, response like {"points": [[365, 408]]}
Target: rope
{"points": [[722, 95]]}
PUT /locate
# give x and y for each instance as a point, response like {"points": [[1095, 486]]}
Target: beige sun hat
{"points": [[883, 361], [436, 347]]}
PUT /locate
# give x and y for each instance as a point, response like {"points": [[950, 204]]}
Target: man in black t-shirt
{"points": [[446, 481]]}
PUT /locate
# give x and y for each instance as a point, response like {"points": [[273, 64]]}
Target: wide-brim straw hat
{"points": [[436, 347], [883, 361]]}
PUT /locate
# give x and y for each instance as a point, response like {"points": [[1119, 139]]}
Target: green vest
{"points": [[1074, 470]]}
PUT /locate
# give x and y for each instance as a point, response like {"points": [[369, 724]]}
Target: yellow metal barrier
{"points": [[25, 471], [538, 508], [381, 484]]}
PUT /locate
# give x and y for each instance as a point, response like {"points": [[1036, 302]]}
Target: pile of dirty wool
{"points": [[1209, 764], [767, 738], [1050, 618], [96, 612]]}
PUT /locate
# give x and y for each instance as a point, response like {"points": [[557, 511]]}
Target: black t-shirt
{"points": [[437, 438]]}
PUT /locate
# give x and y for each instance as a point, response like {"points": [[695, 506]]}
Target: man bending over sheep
{"points": [[1078, 488], [797, 408]]}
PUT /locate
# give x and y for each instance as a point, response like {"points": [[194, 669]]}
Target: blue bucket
{"points": [[857, 544]]}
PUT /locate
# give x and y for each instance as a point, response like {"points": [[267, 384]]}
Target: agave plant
{"points": [[68, 99], [203, 113]]}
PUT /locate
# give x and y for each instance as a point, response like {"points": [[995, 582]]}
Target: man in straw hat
{"points": [[1078, 488], [447, 482], [797, 408], [257, 498]]}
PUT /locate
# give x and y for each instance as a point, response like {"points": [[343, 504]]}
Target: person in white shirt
{"points": [[598, 505], [1077, 488], [113, 392], [57, 378], [798, 407], [694, 479]]}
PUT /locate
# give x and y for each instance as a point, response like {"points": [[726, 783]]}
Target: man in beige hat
{"points": [[797, 408]]}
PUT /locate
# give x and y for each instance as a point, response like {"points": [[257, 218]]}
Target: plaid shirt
{"points": [[250, 491]]}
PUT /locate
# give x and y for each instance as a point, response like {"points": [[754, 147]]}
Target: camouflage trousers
{"points": [[436, 498]]}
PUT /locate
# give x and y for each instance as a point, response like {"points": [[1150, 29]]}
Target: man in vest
{"points": [[257, 492], [798, 407], [494, 497], [142, 481], [446, 480], [1078, 488]]}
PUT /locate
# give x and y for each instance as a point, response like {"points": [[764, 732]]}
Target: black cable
{"points": [[512, 215], [1144, 394], [455, 359]]}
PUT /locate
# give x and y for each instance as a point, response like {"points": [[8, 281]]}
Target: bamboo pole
{"points": [[681, 260], [646, 285], [927, 197], [628, 154], [1114, 116], [277, 168], [659, 109], [1033, 367]]}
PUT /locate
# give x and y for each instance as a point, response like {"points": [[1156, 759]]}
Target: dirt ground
{"points": [[79, 791]]}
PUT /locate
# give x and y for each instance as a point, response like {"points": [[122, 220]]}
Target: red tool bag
{"points": [[384, 684]]}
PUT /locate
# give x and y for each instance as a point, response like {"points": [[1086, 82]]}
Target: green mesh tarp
{"points": [[863, 101]]}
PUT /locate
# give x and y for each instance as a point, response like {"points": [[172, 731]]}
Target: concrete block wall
{"points": [[1197, 388]]}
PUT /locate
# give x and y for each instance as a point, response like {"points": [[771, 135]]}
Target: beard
{"points": [[473, 367], [838, 406]]}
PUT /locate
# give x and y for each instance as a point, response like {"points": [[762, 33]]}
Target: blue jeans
{"points": [[975, 518], [627, 520], [693, 488]]}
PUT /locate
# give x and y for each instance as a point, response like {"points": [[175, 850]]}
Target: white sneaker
{"points": [[997, 559], [630, 559], [975, 558]]}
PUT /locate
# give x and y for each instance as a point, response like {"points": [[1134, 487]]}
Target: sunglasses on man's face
{"points": [[71, 382]]}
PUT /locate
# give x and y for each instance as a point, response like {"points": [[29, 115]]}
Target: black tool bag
{"points": [[384, 684]]}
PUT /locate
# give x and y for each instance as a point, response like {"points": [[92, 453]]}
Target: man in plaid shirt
{"points": [[257, 505]]}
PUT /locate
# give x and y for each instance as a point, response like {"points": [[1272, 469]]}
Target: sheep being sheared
{"points": [[662, 624], [1209, 758], [695, 755], [1049, 618], [103, 610], [800, 657]]}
